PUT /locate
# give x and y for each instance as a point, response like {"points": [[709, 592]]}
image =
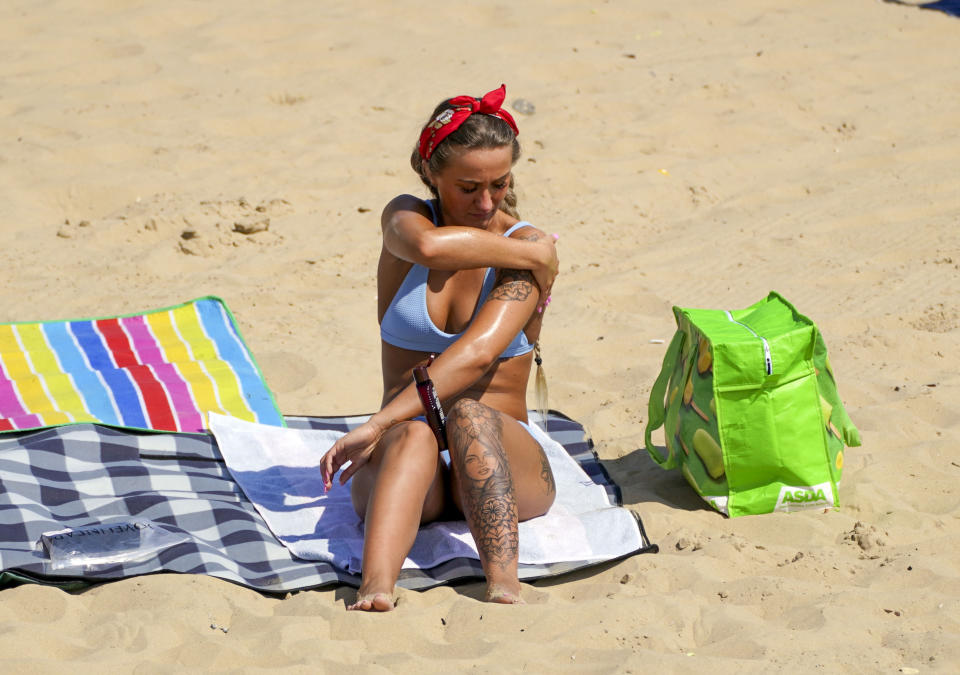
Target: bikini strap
{"points": [[516, 226], [433, 211]]}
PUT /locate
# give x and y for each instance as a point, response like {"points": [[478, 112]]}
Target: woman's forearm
{"points": [[452, 372], [453, 248]]}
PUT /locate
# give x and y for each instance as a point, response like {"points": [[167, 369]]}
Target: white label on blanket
{"points": [[796, 497]]}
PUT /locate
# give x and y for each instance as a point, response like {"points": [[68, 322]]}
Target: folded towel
{"points": [[279, 471]]}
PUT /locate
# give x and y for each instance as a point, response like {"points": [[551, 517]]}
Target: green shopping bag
{"points": [[750, 409]]}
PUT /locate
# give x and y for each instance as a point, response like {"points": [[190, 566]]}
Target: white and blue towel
{"points": [[279, 471]]}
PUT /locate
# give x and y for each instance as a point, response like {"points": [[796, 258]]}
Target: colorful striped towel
{"points": [[163, 370]]}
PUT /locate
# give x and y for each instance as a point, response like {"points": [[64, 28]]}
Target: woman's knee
{"points": [[406, 440], [465, 409], [469, 420], [410, 445]]}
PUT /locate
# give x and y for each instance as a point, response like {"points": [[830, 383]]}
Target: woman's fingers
{"points": [[544, 299], [545, 296], [355, 465], [552, 271], [355, 447], [555, 266], [547, 287], [330, 466], [327, 467]]}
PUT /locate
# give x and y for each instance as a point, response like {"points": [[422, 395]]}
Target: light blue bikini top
{"points": [[407, 324]]}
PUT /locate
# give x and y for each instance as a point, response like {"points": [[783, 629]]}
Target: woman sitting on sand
{"points": [[436, 295]]}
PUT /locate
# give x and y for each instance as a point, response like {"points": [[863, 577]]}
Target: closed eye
{"points": [[496, 186]]}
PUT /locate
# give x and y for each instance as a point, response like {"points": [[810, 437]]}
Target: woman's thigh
{"points": [[532, 476], [529, 469], [408, 451]]}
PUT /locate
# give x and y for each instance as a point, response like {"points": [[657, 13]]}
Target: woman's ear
{"points": [[425, 168]]}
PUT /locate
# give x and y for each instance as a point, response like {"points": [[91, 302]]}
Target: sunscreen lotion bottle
{"points": [[431, 405]]}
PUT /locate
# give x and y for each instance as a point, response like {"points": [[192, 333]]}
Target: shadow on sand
{"points": [[642, 481]]}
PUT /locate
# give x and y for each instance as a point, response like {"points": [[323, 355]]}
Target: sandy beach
{"points": [[694, 154]]}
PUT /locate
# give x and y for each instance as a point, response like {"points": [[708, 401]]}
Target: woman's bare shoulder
{"points": [[528, 232], [405, 204]]}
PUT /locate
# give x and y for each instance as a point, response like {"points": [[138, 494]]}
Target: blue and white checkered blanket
{"points": [[74, 476]]}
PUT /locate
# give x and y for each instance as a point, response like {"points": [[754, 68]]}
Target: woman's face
{"points": [[473, 184]]}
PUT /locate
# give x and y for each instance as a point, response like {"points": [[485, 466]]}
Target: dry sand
{"points": [[698, 154]]}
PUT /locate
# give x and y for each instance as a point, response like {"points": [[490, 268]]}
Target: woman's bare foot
{"points": [[501, 595], [374, 602]]}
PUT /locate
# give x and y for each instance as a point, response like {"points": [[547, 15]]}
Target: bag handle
{"points": [[656, 411], [851, 436]]}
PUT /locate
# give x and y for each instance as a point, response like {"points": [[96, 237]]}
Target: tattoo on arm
{"points": [[529, 234], [513, 285], [486, 484]]}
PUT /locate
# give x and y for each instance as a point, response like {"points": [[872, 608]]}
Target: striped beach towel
{"points": [[162, 370]]}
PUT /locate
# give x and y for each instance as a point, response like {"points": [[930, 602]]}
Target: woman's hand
{"points": [[355, 447], [546, 272]]}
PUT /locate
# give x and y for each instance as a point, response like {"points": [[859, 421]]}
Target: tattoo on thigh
{"points": [[513, 285], [546, 474], [489, 500]]}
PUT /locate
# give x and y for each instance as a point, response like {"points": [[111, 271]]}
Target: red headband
{"points": [[461, 107]]}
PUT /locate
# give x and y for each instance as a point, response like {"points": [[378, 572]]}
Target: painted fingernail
{"points": [[555, 236]]}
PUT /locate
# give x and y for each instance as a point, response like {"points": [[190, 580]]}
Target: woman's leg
{"points": [[400, 487], [501, 476]]}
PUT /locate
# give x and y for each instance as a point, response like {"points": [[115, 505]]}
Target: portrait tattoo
{"points": [[486, 484]]}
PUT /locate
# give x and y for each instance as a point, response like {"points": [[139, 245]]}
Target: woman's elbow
{"points": [[416, 247], [480, 358], [428, 250]]}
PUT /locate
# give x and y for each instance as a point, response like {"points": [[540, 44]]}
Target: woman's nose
{"points": [[485, 200]]}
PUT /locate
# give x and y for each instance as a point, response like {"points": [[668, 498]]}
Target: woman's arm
{"points": [[410, 235], [507, 310]]}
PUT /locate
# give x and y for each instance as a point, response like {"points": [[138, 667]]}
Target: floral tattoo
{"points": [[486, 484]]}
